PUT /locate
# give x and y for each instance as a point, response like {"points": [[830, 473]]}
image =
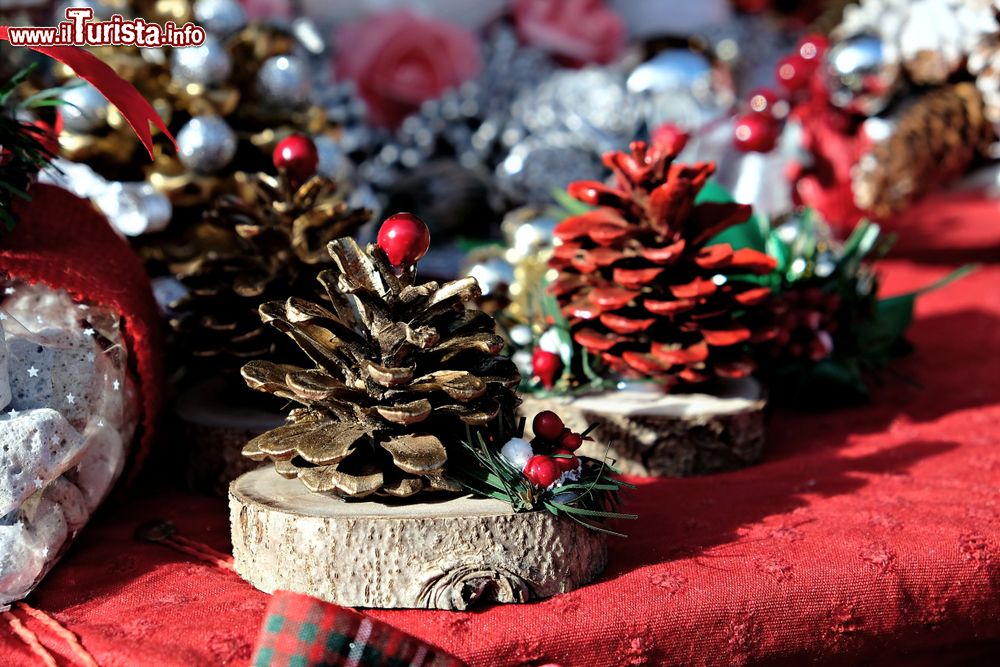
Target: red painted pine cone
{"points": [[640, 285]]}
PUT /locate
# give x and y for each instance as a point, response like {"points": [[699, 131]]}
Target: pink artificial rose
{"points": [[398, 60], [575, 31]]}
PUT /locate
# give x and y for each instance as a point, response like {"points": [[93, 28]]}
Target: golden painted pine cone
{"points": [[399, 371], [259, 244], [640, 285]]}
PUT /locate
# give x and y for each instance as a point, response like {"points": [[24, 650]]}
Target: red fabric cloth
{"points": [[63, 242], [866, 536]]}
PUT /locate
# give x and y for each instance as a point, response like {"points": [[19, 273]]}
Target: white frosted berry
{"points": [[517, 451]]}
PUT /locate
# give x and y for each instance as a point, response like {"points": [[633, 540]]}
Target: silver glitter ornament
{"points": [[84, 110], [494, 274], [206, 144], [859, 78], [540, 164], [681, 87], [207, 65], [284, 81], [220, 17]]}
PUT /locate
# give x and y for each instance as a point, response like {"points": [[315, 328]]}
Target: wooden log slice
{"points": [[215, 423], [653, 434], [446, 554]]}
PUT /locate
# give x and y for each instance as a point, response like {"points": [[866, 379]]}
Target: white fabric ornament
{"points": [[516, 452]]}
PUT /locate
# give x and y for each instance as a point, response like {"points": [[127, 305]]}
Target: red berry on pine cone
{"points": [[297, 155], [545, 366], [404, 238], [571, 441], [794, 72], [570, 462], [547, 425], [756, 132], [542, 470]]}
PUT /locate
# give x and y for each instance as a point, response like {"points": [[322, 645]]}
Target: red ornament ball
{"points": [[566, 464], [547, 425], [404, 238], [297, 155], [813, 47], [542, 470], [794, 72], [571, 441], [546, 366], [756, 132]]}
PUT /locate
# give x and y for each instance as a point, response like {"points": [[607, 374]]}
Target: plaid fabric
{"points": [[301, 631]]}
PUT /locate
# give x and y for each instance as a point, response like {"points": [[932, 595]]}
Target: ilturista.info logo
{"points": [[79, 29]]}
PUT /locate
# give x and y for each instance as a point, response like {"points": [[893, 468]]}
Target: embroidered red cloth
{"points": [[63, 242], [866, 536]]}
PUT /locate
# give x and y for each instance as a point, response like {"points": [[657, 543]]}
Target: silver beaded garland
{"points": [[207, 65], [206, 144]]}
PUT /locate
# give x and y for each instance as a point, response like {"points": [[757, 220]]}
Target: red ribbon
{"points": [[133, 106]]}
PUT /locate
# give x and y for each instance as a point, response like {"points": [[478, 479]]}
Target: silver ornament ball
{"points": [[220, 17], [84, 109], [207, 65], [206, 144], [858, 76], [284, 81], [494, 274]]}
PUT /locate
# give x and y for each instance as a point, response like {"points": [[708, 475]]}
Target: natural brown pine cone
{"points": [[259, 244], [400, 370], [934, 141], [640, 285]]}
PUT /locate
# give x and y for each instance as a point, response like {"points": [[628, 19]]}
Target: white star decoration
{"points": [[70, 398], [39, 482], [91, 356], [13, 413], [88, 332], [32, 372], [116, 385]]}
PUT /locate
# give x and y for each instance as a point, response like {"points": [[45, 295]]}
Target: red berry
{"points": [[566, 464], [571, 441], [794, 72], [297, 155], [542, 470], [547, 425], [545, 366], [404, 238], [755, 132], [813, 47], [766, 101]]}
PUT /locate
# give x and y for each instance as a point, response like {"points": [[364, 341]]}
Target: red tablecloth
{"points": [[866, 535]]}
